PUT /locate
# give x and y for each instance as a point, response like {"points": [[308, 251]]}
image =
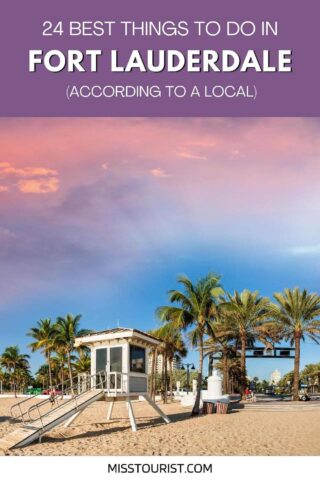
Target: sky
{"points": [[98, 216]]}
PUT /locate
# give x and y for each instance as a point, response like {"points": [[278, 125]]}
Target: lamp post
{"points": [[188, 365]]}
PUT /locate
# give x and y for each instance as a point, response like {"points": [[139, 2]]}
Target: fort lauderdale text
{"points": [[163, 60]]}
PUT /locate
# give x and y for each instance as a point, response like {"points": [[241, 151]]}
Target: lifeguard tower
{"points": [[119, 360], [118, 373]]}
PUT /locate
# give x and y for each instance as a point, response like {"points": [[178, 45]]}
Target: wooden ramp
{"points": [[32, 431]]}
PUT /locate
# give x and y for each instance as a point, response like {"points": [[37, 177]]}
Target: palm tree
{"points": [[2, 380], [311, 373], [219, 344], [153, 353], [13, 362], [82, 363], [160, 350], [42, 375], [256, 382], [67, 330], [286, 382], [194, 307], [45, 336], [234, 372], [222, 341], [297, 313], [172, 347], [23, 377], [247, 313], [176, 350]]}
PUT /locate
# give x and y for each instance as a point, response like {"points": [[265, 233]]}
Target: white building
{"points": [[176, 364], [275, 377]]}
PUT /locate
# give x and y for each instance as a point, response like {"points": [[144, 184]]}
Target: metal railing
{"points": [[20, 409], [111, 382]]}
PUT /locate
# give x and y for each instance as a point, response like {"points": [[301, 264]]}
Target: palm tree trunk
{"points": [[171, 381], [162, 379], [62, 379], [155, 374], [165, 378], [225, 371], [196, 407], [243, 364], [152, 374], [228, 377], [49, 368], [70, 371], [14, 381], [296, 370]]}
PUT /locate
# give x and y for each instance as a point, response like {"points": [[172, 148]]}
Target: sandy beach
{"points": [[242, 432]]}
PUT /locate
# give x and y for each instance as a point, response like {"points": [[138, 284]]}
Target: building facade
{"points": [[176, 364]]}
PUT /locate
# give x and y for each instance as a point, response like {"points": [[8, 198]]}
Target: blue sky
{"points": [[99, 216]]}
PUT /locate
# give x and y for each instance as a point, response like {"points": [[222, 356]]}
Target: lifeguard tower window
{"points": [[137, 359], [101, 359], [116, 359]]}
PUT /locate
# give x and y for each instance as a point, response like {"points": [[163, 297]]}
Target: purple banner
{"points": [[125, 58]]}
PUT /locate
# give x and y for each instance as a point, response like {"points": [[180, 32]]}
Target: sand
{"points": [[241, 432]]}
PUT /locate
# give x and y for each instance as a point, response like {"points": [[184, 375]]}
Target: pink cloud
{"points": [[30, 179], [159, 172], [250, 164], [256, 181], [42, 185], [191, 156], [7, 168]]}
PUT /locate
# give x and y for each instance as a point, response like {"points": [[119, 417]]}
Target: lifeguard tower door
{"points": [[114, 364], [110, 360]]}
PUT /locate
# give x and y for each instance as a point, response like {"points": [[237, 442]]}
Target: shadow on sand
{"points": [[114, 427], [5, 419], [142, 423]]}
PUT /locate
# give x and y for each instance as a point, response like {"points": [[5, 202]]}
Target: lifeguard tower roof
{"points": [[114, 335]]}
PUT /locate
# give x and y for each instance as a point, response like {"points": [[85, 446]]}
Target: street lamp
{"points": [[188, 365]]}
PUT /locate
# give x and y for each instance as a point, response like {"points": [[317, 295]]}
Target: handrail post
{"points": [[75, 399], [40, 417], [20, 409]]}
